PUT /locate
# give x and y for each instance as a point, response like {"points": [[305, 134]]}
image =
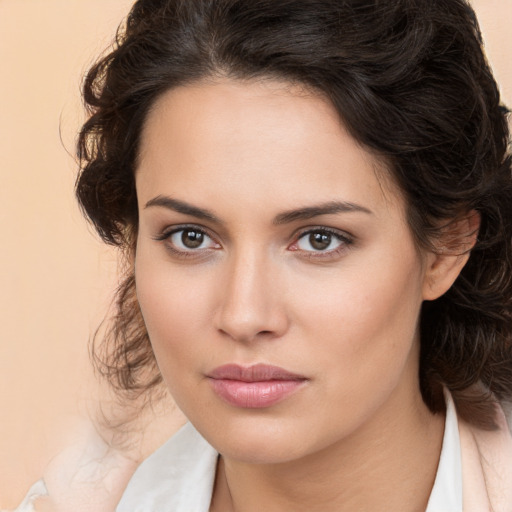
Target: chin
{"points": [[262, 449], [259, 440]]}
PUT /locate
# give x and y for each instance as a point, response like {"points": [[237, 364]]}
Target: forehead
{"points": [[266, 141]]}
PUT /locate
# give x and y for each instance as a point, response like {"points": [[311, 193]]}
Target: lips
{"points": [[254, 387]]}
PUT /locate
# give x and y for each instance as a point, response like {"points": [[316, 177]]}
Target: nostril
{"points": [[244, 335]]}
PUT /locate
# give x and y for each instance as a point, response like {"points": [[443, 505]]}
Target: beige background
{"points": [[55, 277]]}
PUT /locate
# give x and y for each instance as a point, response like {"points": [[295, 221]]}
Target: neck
{"points": [[389, 464]]}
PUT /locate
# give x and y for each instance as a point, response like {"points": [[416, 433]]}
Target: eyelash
{"points": [[345, 240], [166, 235]]}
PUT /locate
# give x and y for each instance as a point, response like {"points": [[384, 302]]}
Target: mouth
{"points": [[254, 387]]}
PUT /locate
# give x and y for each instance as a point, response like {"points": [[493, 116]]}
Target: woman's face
{"points": [[275, 270]]}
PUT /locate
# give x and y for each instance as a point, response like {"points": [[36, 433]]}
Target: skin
{"points": [[357, 435]]}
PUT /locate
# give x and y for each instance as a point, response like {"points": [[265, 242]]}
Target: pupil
{"points": [[320, 241], [192, 239]]}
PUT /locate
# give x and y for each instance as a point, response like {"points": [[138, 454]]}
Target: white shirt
{"points": [[179, 476]]}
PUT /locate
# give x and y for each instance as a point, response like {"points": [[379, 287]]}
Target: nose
{"points": [[251, 300]]}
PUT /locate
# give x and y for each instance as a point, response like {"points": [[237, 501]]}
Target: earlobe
{"points": [[444, 264]]}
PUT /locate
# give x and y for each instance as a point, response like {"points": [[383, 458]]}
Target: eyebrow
{"points": [[182, 207], [308, 212]]}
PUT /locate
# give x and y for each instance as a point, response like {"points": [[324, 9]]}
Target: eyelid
{"points": [[346, 240], [167, 233], [344, 235], [175, 228]]}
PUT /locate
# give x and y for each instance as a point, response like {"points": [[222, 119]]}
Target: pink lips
{"points": [[254, 387]]}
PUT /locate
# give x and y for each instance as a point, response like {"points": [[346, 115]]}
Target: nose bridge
{"points": [[250, 298]]}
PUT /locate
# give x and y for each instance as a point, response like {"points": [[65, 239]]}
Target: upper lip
{"points": [[254, 373]]}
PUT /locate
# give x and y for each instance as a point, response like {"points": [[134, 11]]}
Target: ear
{"points": [[451, 252]]}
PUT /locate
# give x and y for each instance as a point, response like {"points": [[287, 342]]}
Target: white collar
{"points": [[179, 476], [446, 494]]}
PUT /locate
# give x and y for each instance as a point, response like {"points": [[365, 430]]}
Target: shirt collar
{"points": [[446, 494], [179, 476]]}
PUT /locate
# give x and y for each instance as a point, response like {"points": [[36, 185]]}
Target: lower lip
{"points": [[255, 395]]}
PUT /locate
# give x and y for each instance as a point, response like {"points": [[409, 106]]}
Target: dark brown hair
{"points": [[410, 82]]}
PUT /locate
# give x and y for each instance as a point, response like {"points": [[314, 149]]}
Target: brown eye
{"points": [[321, 240], [192, 239]]}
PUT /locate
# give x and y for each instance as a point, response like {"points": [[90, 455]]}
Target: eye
{"points": [[318, 241], [188, 239], [322, 241]]}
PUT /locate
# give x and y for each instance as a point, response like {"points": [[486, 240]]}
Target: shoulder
{"points": [[36, 492], [87, 476], [487, 464]]}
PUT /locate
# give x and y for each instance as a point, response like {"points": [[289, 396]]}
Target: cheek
{"points": [[174, 307], [364, 321], [166, 305]]}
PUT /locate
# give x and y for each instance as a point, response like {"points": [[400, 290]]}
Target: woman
{"points": [[313, 199]]}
